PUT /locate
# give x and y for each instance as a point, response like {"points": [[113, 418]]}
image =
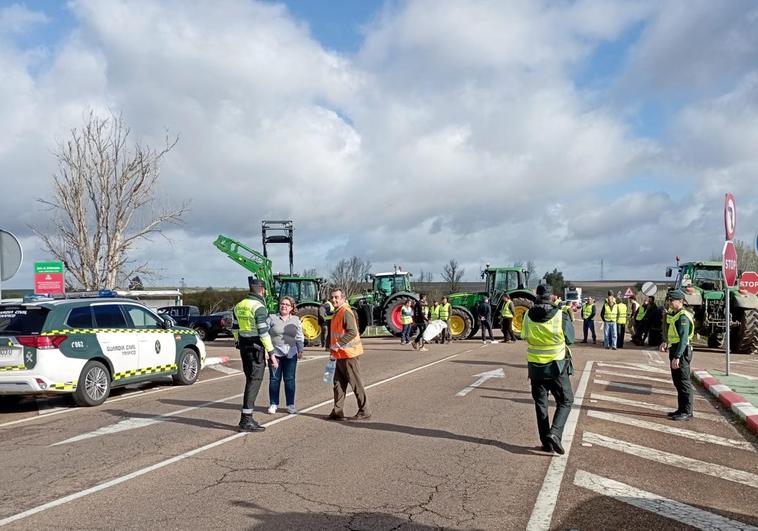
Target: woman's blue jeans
{"points": [[286, 371]]}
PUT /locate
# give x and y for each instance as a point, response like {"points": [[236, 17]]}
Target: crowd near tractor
{"points": [[499, 280], [380, 305], [306, 290], [703, 287]]}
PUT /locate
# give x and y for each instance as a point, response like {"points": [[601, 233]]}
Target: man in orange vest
{"points": [[345, 347]]}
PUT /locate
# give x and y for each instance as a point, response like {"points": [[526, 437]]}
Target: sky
{"points": [[406, 133]]}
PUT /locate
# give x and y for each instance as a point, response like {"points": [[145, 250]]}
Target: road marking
{"points": [[224, 369], [137, 422], [635, 376], [142, 471], [679, 432], [544, 507], [679, 461], [654, 356], [483, 377], [744, 375], [659, 505], [211, 361], [646, 405], [44, 407], [640, 388], [634, 367]]}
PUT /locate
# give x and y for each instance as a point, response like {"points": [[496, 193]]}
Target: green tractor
{"points": [[499, 280], [703, 287], [305, 290], [380, 305]]}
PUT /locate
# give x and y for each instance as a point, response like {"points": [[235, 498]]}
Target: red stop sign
{"points": [[749, 282], [729, 264]]}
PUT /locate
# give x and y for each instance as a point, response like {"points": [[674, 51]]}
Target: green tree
{"points": [[746, 258], [555, 279]]}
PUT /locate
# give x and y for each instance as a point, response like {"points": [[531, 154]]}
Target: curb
{"points": [[739, 406]]}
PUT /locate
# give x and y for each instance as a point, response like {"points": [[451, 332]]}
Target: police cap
{"points": [[544, 291], [255, 283], [676, 294]]}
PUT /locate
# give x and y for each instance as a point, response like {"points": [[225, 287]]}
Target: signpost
{"points": [[729, 265], [11, 257], [48, 278]]}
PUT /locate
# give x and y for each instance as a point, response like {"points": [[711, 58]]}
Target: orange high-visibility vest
{"points": [[353, 348]]}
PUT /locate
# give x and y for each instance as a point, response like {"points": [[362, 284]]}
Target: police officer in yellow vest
{"points": [[506, 314], [681, 329], [621, 318], [548, 332], [254, 344], [445, 309], [588, 319]]}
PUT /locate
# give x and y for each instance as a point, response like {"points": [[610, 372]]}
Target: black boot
{"points": [[248, 424]]}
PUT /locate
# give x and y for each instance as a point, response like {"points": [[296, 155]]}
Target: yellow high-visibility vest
{"points": [[546, 341]]}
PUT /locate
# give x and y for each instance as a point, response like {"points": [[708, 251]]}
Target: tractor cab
{"points": [[503, 280], [389, 283], [301, 289]]}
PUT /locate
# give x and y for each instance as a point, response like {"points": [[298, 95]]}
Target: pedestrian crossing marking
{"points": [[634, 367], [647, 405], [679, 432], [639, 388], [679, 461], [636, 376], [668, 508]]}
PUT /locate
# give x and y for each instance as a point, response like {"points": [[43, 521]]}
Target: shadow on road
{"points": [[482, 362]]}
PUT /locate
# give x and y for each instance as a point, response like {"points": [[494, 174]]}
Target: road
{"points": [[432, 456]]}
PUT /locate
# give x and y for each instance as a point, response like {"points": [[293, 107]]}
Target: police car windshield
{"points": [[22, 319]]}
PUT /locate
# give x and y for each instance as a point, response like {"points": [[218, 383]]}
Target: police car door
{"points": [[117, 341], [157, 346]]}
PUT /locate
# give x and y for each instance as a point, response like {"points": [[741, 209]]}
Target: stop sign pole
{"points": [[729, 266]]}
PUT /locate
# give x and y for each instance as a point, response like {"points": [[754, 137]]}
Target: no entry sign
{"points": [[730, 216], [729, 264], [749, 282], [48, 278]]}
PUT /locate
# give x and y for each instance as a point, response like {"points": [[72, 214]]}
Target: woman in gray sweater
{"points": [[287, 336]]}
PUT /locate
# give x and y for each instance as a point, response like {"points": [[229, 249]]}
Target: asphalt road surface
{"points": [[452, 444]]}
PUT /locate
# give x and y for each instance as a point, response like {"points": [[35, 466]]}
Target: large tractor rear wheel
{"points": [[311, 327], [745, 336], [392, 314], [362, 316], [461, 323], [520, 307]]}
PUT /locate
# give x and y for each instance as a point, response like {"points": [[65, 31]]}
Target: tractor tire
{"points": [[391, 314], [310, 323], [361, 315], [744, 338], [520, 307], [716, 341], [461, 323]]}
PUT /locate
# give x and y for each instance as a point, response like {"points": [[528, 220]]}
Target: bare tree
{"points": [[452, 274], [103, 202], [349, 273], [425, 277], [311, 272], [746, 258]]}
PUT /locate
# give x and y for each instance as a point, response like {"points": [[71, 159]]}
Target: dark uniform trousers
{"points": [[484, 323], [254, 365], [620, 331], [560, 388], [348, 371], [507, 327], [681, 379]]}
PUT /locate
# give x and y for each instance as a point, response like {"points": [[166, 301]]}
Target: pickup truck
{"points": [[208, 327]]}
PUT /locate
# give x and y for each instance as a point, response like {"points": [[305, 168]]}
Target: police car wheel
{"points": [[94, 385], [188, 368]]}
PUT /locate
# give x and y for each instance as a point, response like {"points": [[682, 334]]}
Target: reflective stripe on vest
{"points": [[546, 341], [350, 350], [435, 312], [621, 318], [587, 311], [244, 312], [673, 335], [641, 313], [445, 311], [611, 314], [507, 310]]}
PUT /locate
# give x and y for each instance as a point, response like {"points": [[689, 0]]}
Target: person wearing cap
{"points": [[255, 346], [609, 316], [548, 332], [681, 329], [588, 319]]}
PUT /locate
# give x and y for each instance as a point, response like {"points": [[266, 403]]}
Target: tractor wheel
{"points": [[716, 341], [520, 307], [361, 315], [745, 336], [392, 314], [461, 323], [311, 327]]}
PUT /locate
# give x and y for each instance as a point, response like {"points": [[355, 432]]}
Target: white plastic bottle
{"points": [[329, 371]]}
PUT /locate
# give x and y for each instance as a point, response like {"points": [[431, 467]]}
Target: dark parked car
{"points": [[208, 327]]}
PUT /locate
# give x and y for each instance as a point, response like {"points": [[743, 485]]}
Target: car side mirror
{"points": [[668, 271], [168, 321]]}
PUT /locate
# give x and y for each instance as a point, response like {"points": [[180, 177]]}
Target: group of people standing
{"points": [[416, 316], [643, 320]]}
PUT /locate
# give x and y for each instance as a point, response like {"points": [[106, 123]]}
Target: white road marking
{"points": [[544, 507], [634, 367], [659, 505], [679, 461], [640, 388], [225, 369], [670, 430], [646, 405], [745, 376], [136, 422], [45, 408], [483, 377], [635, 376], [654, 356], [141, 472]]}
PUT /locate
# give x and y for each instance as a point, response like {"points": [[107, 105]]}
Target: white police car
{"points": [[86, 346]]}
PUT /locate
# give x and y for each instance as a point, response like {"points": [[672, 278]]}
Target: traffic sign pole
{"points": [[729, 266], [728, 330]]}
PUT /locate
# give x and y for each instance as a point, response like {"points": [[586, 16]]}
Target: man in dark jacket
{"points": [[420, 319], [484, 313], [548, 332]]}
